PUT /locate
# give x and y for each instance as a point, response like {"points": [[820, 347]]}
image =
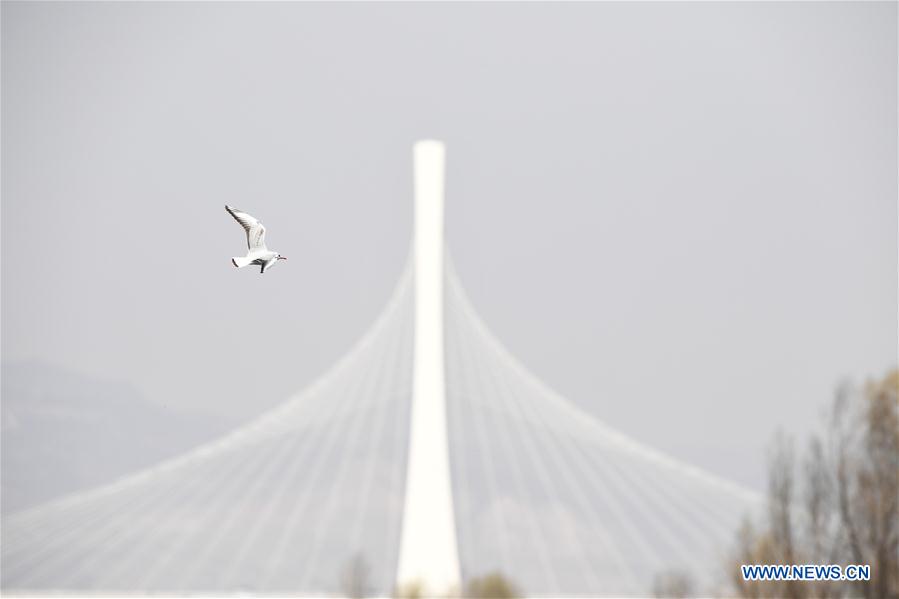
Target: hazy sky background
{"points": [[681, 216]]}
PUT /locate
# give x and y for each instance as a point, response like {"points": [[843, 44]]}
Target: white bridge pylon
{"points": [[428, 553], [428, 450]]}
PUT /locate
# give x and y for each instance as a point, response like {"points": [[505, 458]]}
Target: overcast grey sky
{"points": [[681, 216]]}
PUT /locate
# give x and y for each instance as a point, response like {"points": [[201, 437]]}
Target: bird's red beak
{"points": [[282, 257]]}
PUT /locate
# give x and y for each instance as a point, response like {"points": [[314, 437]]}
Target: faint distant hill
{"points": [[62, 432]]}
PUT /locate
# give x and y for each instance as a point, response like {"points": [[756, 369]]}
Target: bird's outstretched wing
{"points": [[255, 230]]}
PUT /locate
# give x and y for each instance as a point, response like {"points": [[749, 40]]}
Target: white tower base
{"points": [[428, 554]]}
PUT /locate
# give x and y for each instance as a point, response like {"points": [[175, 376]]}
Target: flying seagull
{"points": [[258, 253]]}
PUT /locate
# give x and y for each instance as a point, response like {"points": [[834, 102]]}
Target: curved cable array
{"points": [[561, 503], [279, 505]]}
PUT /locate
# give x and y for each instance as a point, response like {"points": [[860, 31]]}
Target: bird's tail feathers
{"points": [[241, 262]]}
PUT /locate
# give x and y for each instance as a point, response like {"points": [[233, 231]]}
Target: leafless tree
{"points": [[354, 579], [673, 584], [491, 586], [846, 510]]}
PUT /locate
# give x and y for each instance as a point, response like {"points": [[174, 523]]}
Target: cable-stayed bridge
{"points": [[428, 450]]}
